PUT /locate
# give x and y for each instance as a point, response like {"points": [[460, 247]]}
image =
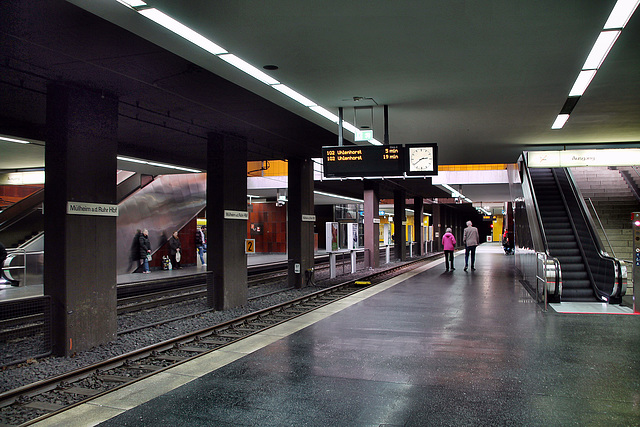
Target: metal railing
{"points": [[8, 268], [604, 232], [549, 267]]}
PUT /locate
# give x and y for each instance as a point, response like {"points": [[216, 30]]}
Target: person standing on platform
{"points": [[449, 243], [174, 250], [471, 239], [3, 254], [200, 244], [145, 250]]}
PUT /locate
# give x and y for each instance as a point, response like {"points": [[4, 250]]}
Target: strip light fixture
{"points": [[160, 165], [17, 141], [199, 40], [620, 15]]}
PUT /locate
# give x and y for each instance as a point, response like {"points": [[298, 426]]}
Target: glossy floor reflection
{"points": [[435, 349]]}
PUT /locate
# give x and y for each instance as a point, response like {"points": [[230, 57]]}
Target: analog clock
{"points": [[421, 159]]}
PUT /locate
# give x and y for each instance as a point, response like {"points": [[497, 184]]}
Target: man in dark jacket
{"points": [[145, 249], [174, 249]]}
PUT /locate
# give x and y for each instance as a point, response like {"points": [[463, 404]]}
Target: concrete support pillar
{"points": [[437, 228], [418, 213], [227, 220], [372, 223], [80, 250], [399, 218], [300, 240]]}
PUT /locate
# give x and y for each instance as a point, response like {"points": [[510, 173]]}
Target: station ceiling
{"points": [[483, 79]]}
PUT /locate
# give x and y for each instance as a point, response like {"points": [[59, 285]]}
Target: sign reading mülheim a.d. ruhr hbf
{"points": [[94, 209]]}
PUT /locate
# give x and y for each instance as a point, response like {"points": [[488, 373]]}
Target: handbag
{"points": [[148, 257], [178, 257]]}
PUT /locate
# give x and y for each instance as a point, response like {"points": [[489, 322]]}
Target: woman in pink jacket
{"points": [[449, 243]]}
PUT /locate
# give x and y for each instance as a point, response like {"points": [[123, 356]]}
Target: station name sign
{"points": [[380, 160], [93, 209]]}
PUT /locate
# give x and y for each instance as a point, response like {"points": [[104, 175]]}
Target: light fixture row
{"points": [[199, 40], [160, 165], [620, 15]]}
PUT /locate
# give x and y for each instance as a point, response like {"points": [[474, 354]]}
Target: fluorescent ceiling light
{"points": [[621, 14], [248, 68], [322, 193], [326, 113], [294, 95], [560, 121], [19, 141], [582, 82], [600, 49], [374, 141], [182, 30], [348, 126], [132, 3], [162, 165]]}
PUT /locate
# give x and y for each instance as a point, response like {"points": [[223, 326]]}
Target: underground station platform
{"points": [[427, 347]]}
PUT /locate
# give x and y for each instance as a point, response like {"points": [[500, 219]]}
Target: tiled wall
{"points": [[10, 194], [187, 238], [274, 227]]}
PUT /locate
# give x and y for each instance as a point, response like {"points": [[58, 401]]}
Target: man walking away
{"points": [[470, 238]]}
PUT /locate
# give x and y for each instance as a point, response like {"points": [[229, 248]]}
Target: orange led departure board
{"points": [[363, 160], [380, 160]]}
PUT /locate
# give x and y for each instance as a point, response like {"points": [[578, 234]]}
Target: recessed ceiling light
{"points": [[560, 121], [621, 14], [582, 82], [19, 141], [600, 49]]}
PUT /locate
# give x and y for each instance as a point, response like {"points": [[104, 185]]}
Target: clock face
{"points": [[421, 159]]}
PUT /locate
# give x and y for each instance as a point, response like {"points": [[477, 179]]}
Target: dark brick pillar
{"points": [[80, 250], [418, 213], [226, 222], [372, 222], [300, 230], [399, 218]]}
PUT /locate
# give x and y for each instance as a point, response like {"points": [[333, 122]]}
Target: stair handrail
{"points": [[620, 284], [586, 216], [601, 226], [545, 243]]}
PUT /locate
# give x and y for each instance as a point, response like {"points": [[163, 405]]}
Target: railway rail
{"points": [[31, 403]]}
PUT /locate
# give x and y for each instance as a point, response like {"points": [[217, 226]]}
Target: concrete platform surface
{"points": [[427, 348]]}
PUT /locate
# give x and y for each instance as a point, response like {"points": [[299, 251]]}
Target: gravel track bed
{"points": [[40, 369]]}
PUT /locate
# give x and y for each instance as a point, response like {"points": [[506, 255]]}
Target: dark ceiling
{"points": [[483, 79]]}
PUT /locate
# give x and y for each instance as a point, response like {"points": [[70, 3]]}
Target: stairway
{"points": [[613, 202], [561, 240]]}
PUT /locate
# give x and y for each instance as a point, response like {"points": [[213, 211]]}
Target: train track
{"points": [[43, 399], [145, 300]]}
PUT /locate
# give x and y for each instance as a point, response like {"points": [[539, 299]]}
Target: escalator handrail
{"points": [[537, 209], [545, 243], [27, 204], [588, 219], [600, 294]]}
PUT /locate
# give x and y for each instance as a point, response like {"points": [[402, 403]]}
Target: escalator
{"points": [[586, 273], [162, 205]]}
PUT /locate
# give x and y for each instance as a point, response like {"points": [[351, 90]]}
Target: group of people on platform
{"points": [[175, 248], [470, 239]]}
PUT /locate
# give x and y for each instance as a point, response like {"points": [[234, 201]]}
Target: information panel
{"points": [[367, 160], [380, 160]]}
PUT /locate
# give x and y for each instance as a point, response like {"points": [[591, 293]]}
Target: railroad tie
{"points": [[213, 341], [170, 358], [82, 391], [146, 367], [194, 349], [114, 378], [44, 406]]}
